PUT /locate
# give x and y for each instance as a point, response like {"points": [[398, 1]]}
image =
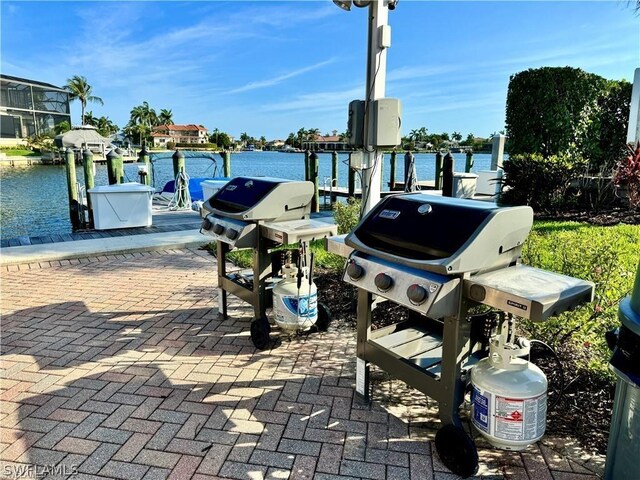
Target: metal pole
{"points": [[392, 171], [89, 183], [72, 188], [375, 89]]}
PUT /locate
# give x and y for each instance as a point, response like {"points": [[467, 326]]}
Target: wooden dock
{"points": [[163, 221]]}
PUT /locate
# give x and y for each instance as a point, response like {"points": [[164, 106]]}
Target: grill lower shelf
{"points": [[420, 347]]}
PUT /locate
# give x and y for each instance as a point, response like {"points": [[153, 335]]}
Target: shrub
{"points": [[607, 256], [567, 110], [346, 215], [196, 146], [171, 145], [542, 183]]}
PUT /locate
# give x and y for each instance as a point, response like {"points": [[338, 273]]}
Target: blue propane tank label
{"points": [[480, 409], [304, 306]]}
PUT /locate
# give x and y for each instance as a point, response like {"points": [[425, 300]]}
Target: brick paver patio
{"points": [[118, 367]]}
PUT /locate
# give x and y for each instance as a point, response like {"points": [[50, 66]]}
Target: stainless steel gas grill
{"points": [[260, 213], [438, 257]]}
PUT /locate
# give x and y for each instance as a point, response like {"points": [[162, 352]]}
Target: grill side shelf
{"points": [[528, 292]]}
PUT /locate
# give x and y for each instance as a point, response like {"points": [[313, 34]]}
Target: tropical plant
{"points": [[62, 127], [627, 175], [79, 88]]}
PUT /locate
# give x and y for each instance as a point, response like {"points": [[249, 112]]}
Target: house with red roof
{"points": [[162, 134]]}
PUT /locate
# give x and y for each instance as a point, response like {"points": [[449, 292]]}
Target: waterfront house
{"points": [[30, 107], [195, 134], [326, 143]]}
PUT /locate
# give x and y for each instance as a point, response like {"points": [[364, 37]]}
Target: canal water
{"points": [[33, 199]]}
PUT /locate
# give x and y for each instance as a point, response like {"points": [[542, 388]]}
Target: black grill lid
{"points": [[442, 234], [242, 193]]}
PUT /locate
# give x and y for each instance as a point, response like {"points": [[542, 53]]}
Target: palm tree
{"points": [[106, 127], [165, 117], [89, 119], [300, 136], [79, 88], [142, 118]]}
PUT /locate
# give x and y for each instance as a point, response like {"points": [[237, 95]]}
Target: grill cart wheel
{"points": [[260, 330], [457, 450], [324, 317]]}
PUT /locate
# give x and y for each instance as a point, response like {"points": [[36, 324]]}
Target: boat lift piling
{"points": [[447, 176], [226, 163], [334, 173]]}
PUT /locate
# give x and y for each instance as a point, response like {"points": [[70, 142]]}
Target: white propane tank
{"points": [[293, 308], [509, 396]]}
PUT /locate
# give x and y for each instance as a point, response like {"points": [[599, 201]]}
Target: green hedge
{"points": [[567, 110], [197, 146]]}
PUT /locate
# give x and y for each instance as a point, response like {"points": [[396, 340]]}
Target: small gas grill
{"points": [[438, 257], [259, 213]]}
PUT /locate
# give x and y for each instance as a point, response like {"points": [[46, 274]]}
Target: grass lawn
{"points": [[19, 152]]}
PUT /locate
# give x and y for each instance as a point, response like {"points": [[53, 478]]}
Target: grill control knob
{"points": [[417, 294], [232, 233], [355, 271], [383, 281], [206, 224], [218, 228]]}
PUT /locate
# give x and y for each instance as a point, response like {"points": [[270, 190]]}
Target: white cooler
{"points": [[121, 206], [489, 182], [464, 185], [210, 187]]}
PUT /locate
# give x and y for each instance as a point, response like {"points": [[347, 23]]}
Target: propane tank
{"points": [[509, 396], [295, 303]]}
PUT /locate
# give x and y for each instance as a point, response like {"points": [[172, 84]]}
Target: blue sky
{"points": [[269, 68]]}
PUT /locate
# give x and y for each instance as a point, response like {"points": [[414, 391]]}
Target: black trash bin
{"points": [[623, 452]]}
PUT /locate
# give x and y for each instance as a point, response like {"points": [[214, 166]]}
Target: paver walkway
{"points": [[118, 367]]}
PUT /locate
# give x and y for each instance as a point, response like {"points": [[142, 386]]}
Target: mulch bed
{"points": [[608, 217]]}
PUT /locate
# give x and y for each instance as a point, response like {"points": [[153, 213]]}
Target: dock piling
{"points": [[120, 166], [468, 165], [178, 163], [438, 184], [313, 173], [89, 180], [307, 176], [112, 174], [226, 163], [72, 188], [143, 157], [392, 171], [447, 175]]}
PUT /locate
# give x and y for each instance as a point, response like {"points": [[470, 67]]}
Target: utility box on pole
{"points": [[355, 124], [387, 113]]}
